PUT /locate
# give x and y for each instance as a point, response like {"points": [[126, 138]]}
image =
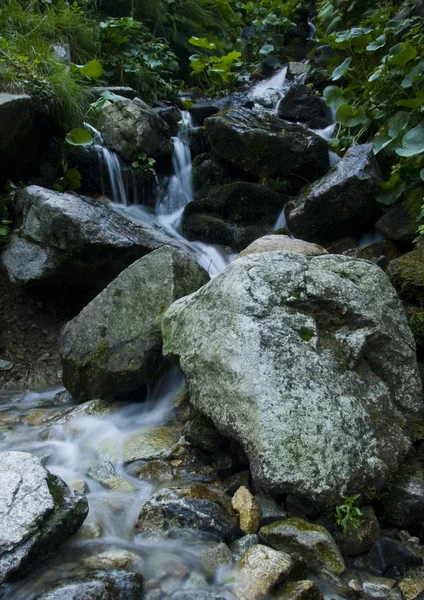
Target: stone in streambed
{"points": [[150, 444], [282, 243], [260, 569], [404, 503], [399, 223], [301, 105], [243, 544], [38, 512], [248, 509], [300, 590], [100, 585], [104, 473], [115, 345], [311, 541], [412, 588], [392, 559], [308, 363]]}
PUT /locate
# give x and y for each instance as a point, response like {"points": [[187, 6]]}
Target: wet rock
{"points": [[232, 483], [282, 243], [213, 557], [200, 432], [114, 559], [248, 509], [300, 104], [104, 473], [114, 345], [152, 443], [242, 545], [311, 541], [199, 141], [341, 203], [203, 109], [298, 68], [63, 236], [130, 127], [345, 336], [300, 590], [262, 145], [342, 246], [38, 512], [181, 406], [99, 586], [377, 587], [404, 504], [270, 510], [171, 115], [119, 90], [90, 530], [406, 275], [358, 541], [392, 559], [207, 174], [260, 569], [400, 222], [92, 408], [156, 469], [412, 589], [379, 252], [197, 509], [5, 365]]}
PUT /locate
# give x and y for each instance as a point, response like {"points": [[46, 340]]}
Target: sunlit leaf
{"points": [[412, 142], [341, 70], [79, 137], [202, 43], [349, 116]]}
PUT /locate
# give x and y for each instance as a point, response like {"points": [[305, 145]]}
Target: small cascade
{"points": [[274, 83], [109, 162]]}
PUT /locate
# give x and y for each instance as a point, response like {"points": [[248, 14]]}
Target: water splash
{"points": [[274, 83]]}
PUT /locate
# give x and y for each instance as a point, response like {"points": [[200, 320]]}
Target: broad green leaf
{"points": [[349, 116], [374, 76], [413, 75], [3, 231], [422, 174], [398, 123], [341, 70], [202, 43], [391, 190], [79, 137], [381, 141], [93, 69], [335, 96], [411, 102], [73, 179], [266, 49], [377, 44], [412, 142], [402, 54]]}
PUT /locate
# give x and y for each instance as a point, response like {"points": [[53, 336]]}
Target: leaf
{"points": [[335, 96], [413, 75], [422, 174], [3, 231], [73, 179], [266, 49], [341, 69], [378, 43], [381, 141], [398, 123], [412, 142], [349, 116], [391, 190], [402, 54], [79, 137], [374, 76], [202, 43], [413, 103], [93, 69]]}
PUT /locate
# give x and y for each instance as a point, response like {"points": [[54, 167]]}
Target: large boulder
{"points": [[341, 204], [400, 222], [258, 143], [306, 361], [99, 585], [37, 513], [282, 243], [300, 104], [205, 108], [130, 127], [115, 344], [71, 240]]}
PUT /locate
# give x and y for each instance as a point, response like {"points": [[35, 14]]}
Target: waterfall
{"points": [[109, 161], [274, 83]]}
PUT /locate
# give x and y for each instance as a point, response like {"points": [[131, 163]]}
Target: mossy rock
{"points": [[400, 222], [207, 228], [407, 275]]}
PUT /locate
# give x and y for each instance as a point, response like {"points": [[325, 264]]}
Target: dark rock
{"points": [[301, 105], [200, 111], [112, 585], [270, 510], [115, 344], [407, 275], [260, 144], [209, 229], [201, 433], [400, 222], [171, 115], [378, 250], [242, 545], [197, 509], [342, 203], [360, 540], [71, 240], [320, 78], [404, 504], [324, 55], [199, 141], [207, 173], [233, 482], [341, 246], [392, 559]]}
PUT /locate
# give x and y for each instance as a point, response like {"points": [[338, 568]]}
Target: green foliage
{"points": [[71, 180], [145, 164], [381, 95], [347, 514], [79, 137], [216, 72], [132, 56]]}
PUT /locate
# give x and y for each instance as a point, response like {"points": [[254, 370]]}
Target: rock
{"points": [[412, 589], [358, 541], [300, 104], [262, 145], [130, 127], [248, 509], [243, 544], [301, 590], [392, 559], [234, 204], [157, 470], [99, 586], [280, 331], [64, 236], [260, 569], [171, 115], [232, 483], [104, 473], [114, 559], [198, 140], [201, 433], [194, 595], [340, 204], [5, 365], [196, 509], [214, 556], [38, 512], [97, 408], [377, 587], [378, 251], [298, 68], [400, 222], [270, 510], [150, 444], [282, 243], [119, 90], [406, 274], [311, 541], [181, 406], [207, 174], [207, 108], [114, 345], [404, 503]]}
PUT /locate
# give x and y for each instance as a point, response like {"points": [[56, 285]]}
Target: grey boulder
{"points": [[112, 585], [130, 127], [37, 513], [306, 361], [404, 504], [342, 203], [66, 239], [115, 344]]}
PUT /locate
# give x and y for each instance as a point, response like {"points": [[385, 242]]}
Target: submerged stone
{"points": [[301, 590], [260, 569]]}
